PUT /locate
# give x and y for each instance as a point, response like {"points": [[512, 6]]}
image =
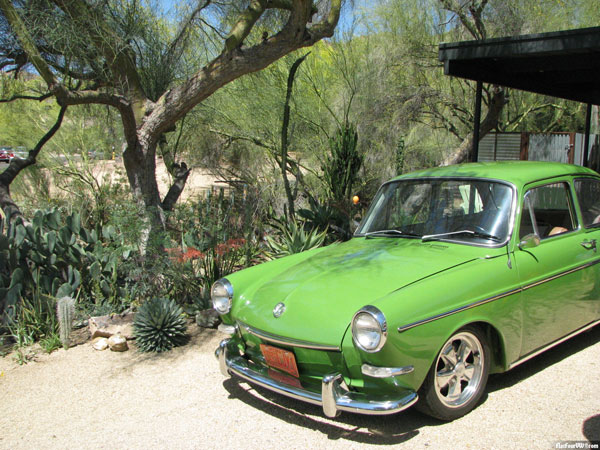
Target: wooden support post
{"points": [[476, 120], [586, 142]]}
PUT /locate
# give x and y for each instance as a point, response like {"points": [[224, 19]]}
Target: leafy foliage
{"points": [[292, 238], [159, 325], [340, 171], [326, 218], [221, 236]]}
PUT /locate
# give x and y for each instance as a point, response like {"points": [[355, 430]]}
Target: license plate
{"points": [[280, 359]]}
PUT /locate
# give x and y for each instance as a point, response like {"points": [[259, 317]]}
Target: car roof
{"points": [[518, 173]]}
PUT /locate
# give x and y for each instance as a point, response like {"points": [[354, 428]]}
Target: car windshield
{"points": [[471, 210]]}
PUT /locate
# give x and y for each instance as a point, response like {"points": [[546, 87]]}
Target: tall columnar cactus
{"points": [[65, 308], [340, 171]]}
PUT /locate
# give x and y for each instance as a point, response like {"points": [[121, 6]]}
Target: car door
{"points": [[557, 279], [587, 193]]}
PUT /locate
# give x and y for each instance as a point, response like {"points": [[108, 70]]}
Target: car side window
{"points": [[547, 211], [588, 195]]}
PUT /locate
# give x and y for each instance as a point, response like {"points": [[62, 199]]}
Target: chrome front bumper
{"points": [[334, 396]]}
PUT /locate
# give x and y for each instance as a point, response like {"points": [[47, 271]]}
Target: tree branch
{"points": [[17, 165], [26, 97], [117, 53], [17, 25], [489, 122], [230, 65], [244, 25]]}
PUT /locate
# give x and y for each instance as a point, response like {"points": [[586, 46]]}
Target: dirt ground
{"points": [[199, 181], [82, 398]]}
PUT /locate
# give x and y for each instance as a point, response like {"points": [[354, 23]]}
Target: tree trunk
{"points": [[15, 167], [140, 164], [283, 165], [490, 122]]}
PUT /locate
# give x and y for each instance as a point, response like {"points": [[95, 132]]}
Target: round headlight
{"points": [[222, 295], [369, 329]]}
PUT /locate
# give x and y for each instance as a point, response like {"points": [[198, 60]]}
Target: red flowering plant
{"points": [[218, 237], [179, 255], [222, 259], [182, 276]]}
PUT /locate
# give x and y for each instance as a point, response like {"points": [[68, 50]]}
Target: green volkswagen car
{"points": [[454, 273]]}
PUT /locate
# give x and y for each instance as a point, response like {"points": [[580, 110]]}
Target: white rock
{"points": [[100, 343]]}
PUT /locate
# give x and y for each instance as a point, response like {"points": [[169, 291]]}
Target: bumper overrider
{"points": [[334, 396]]}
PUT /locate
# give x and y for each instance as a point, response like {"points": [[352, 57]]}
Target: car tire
{"points": [[458, 376]]}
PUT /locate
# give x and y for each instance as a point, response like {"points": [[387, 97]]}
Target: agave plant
{"points": [[159, 326], [293, 238]]}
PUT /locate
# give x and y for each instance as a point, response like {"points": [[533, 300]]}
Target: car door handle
{"points": [[589, 245]]}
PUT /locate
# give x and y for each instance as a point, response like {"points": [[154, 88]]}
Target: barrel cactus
{"points": [[159, 326]]}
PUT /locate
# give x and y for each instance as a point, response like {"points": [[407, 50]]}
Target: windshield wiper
{"points": [[392, 232], [479, 234]]}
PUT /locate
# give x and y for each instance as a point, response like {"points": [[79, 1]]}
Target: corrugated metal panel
{"points": [[542, 147], [500, 147], [579, 143], [549, 147]]}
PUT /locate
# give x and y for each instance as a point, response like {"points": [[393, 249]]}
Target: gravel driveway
{"points": [[82, 398]]}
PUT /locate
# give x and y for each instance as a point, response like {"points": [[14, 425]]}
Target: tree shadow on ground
{"points": [[375, 430], [398, 428]]}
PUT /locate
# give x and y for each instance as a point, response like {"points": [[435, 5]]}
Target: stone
{"points": [[100, 343], [208, 318], [118, 343], [106, 326]]}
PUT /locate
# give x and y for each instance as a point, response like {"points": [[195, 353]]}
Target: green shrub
{"points": [[292, 238], [55, 257], [51, 343], [325, 217], [217, 238], [159, 325]]}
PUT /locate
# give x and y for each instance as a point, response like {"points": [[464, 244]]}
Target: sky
{"points": [[347, 18]]}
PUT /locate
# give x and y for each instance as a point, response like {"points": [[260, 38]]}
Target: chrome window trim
{"points": [[275, 339], [593, 226], [403, 328], [513, 209], [575, 225]]}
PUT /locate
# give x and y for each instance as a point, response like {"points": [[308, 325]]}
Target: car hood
{"points": [[322, 293]]}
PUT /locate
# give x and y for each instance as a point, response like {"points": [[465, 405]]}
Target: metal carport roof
{"points": [[564, 64]]}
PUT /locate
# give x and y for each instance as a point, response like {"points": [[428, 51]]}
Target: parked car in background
{"points": [[6, 154], [21, 152], [454, 273]]}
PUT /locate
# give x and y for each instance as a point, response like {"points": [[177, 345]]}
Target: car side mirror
{"points": [[529, 241]]}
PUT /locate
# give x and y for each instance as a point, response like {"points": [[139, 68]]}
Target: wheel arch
{"points": [[496, 343]]}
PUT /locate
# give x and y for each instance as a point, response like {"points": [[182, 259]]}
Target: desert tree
{"points": [[101, 52]]}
